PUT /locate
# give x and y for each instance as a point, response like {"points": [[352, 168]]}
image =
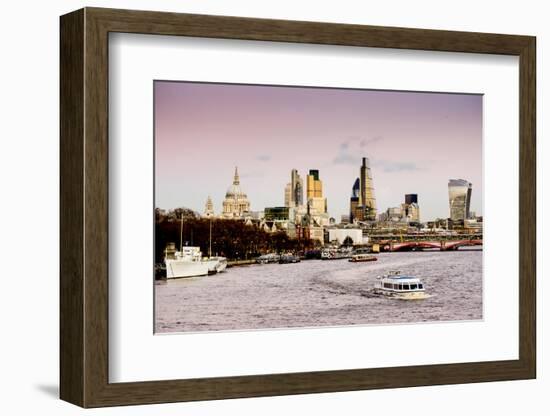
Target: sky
{"points": [[415, 141]]}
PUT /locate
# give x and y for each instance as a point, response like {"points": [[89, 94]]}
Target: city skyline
{"points": [[416, 142]]}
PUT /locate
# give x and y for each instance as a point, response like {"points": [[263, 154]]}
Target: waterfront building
{"points": [[338, 235], [208, 208], [309, 227], [236, 204], [460, 193], [294, 190], [472, 225]]}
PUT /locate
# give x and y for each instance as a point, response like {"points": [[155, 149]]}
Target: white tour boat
{"points": [[398, 286], [185, 263]]}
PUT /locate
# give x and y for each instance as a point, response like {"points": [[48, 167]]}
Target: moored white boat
{"points": [[398, 286], [185, 263]]}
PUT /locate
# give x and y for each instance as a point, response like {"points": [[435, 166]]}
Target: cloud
{"points": [[345, 158], [390, 166], [351, 150], [264, 158], [364, 142]]}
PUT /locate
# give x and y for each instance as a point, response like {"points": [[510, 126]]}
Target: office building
{"points": [[314, 193], [460, 194], [367, 200], [277, 213], [362, 200], [410, 211], [294, 190], [411, 199]]}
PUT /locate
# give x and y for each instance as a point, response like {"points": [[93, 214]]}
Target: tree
{"points": [[230, 238]]}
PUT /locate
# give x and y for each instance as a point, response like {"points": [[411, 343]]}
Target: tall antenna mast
{"points": [[181, 233], [210, 241]]}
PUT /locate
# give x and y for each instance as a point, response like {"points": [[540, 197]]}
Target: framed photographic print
{"points": [[255, 207]]}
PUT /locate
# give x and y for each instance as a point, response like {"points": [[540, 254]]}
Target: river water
{"points": [[321, 293]]}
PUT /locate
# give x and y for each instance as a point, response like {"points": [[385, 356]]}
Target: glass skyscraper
{"points": [[460, 193]]}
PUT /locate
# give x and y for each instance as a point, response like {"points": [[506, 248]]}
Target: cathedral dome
{"points": [[236, 202], [235, 191]]}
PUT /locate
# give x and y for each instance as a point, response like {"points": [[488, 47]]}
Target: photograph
{"points": [[291, 206]]}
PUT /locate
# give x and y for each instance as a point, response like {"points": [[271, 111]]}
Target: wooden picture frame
{"points": [[84, 207]]}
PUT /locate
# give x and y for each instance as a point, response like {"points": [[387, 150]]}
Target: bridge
{"points": [[420, 245], [420, 242]]}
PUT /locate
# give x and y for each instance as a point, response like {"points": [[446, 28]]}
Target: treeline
{"points": [[230, 238]]}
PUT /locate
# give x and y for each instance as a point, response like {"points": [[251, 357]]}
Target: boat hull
{"points": [[419, 295], [177, 269], [363, 260]]}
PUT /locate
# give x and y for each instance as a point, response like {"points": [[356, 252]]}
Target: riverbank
{"points": [[236, 263]]}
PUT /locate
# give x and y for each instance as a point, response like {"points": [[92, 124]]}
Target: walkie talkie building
{"points": [[460, 193]]}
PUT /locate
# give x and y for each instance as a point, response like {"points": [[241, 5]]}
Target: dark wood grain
{"points": [[71, 217], [84, 207]]}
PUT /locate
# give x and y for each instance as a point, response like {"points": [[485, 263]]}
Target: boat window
{"points": [[387, 285], [395, 286], [413, 286], [405, 287], [420, 285], [400, 287]]}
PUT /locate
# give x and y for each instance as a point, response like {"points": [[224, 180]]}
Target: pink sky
{"points": [[415, 141]]}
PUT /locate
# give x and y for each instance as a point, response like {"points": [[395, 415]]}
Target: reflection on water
{"points": [[321, 293]]}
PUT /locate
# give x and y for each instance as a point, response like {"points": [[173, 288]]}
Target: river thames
{"points": [[317, 293]]}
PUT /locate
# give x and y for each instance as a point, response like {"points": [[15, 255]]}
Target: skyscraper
{"points": [[315, 192], [411, 199], [410, 210], [288, 194], [314, 184], [294, 190], [460, 193], [354, 201], [366, 205]]}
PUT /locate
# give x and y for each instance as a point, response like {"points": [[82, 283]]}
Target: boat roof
{"points": [[402, 278]]}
